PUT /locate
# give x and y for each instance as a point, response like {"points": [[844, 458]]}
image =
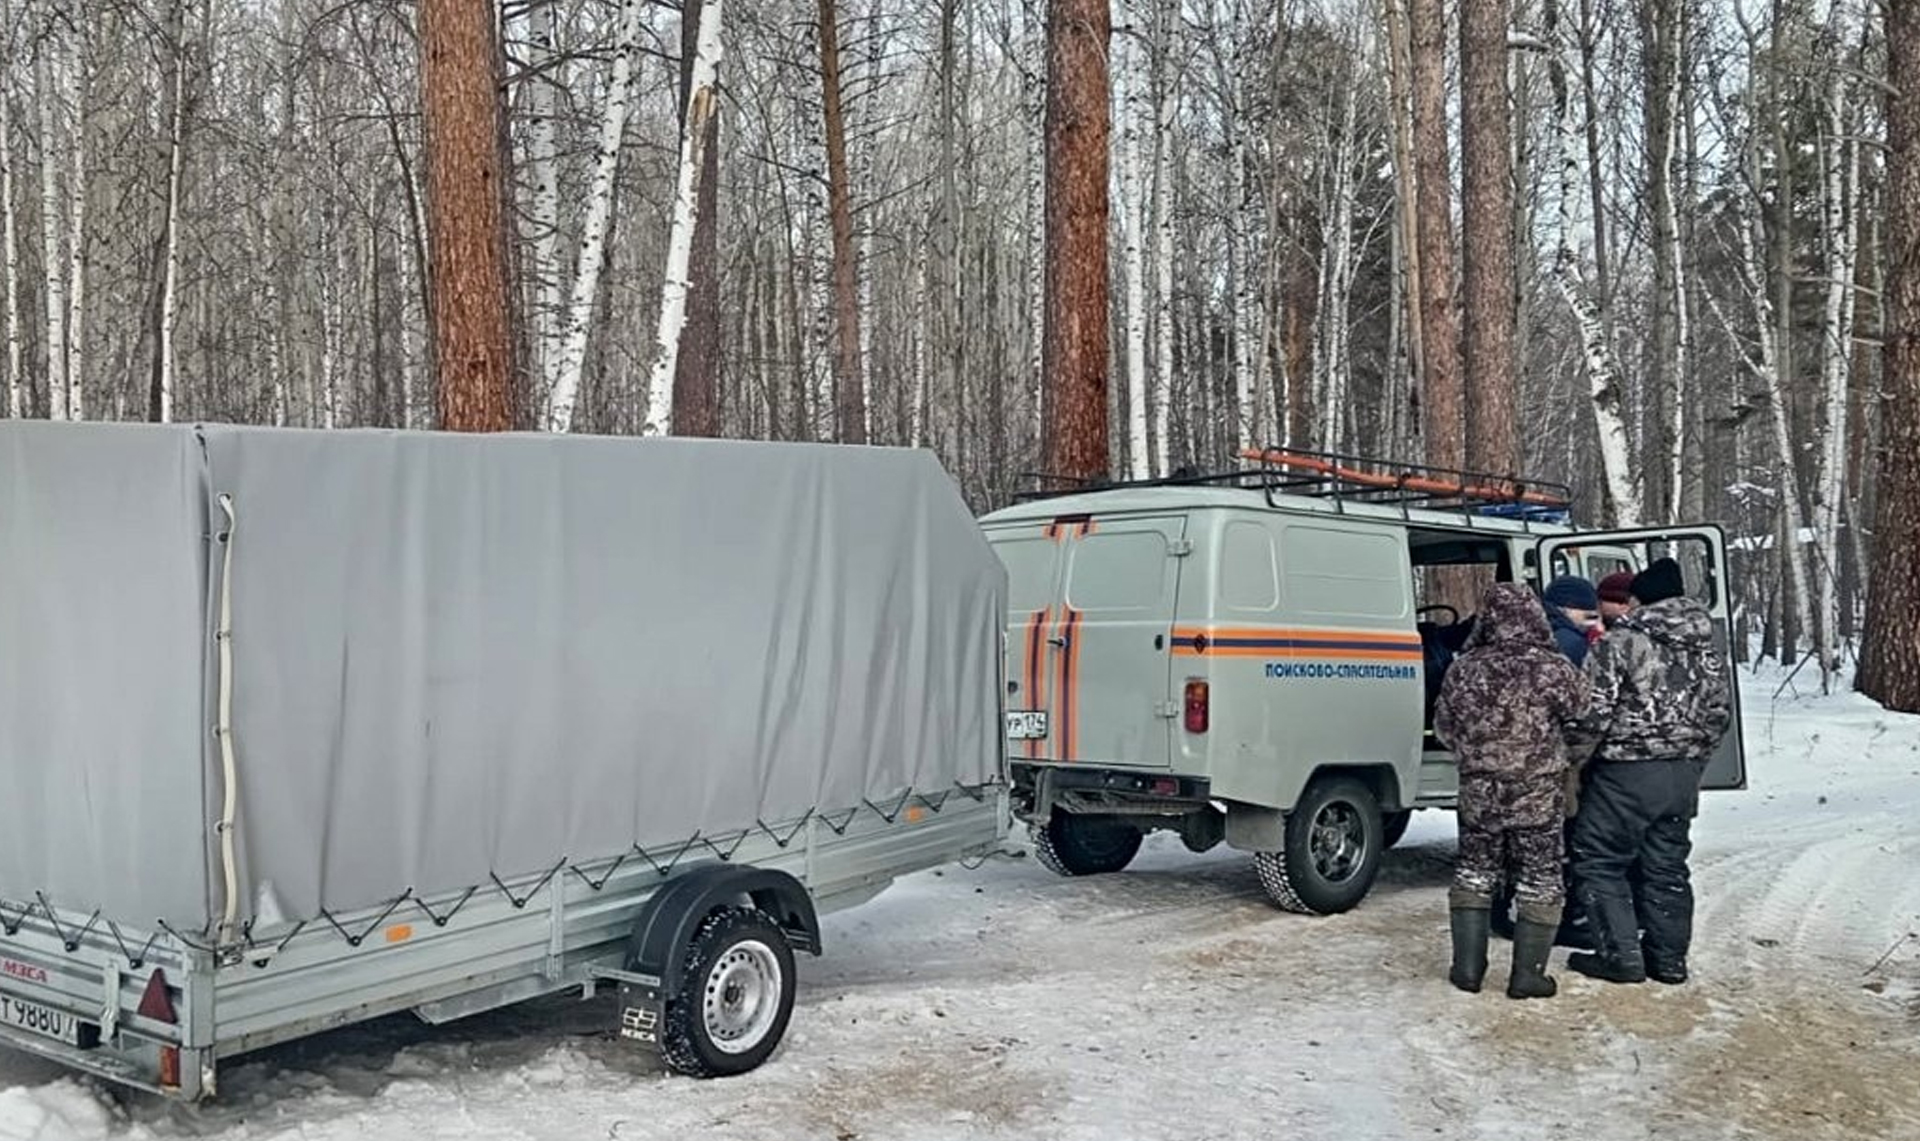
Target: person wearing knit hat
{"points": [[1572, 607], [1659, 582], [1616, 596]]}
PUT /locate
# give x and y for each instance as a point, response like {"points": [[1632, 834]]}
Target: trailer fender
{"points": [[667, 923]]}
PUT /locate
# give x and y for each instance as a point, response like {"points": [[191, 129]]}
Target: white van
{"points": [[1245, 658]]}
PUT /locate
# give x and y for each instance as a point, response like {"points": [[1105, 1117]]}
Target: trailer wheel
{"points": [[1076, 845], [738, 997], [1395, 826], [1334, 839]]}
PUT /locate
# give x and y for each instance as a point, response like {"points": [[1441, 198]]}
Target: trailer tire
{"points": [[1334, 838], [1395, 825], [737, 999], [1077, 845]]}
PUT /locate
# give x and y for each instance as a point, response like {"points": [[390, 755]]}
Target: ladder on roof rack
{"points": [[1297, 471]]}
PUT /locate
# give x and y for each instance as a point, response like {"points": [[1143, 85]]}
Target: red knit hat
{"points": [[1617, 588]]}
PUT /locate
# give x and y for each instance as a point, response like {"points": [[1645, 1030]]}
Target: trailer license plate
{"points": [[48, 1023], [1026, 725]]}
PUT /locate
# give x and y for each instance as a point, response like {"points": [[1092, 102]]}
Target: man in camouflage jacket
{"points": [[1662, 700], [1502, 710]]}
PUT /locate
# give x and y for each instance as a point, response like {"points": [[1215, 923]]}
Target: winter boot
{"points": [[1532, 944], [1616, 957], [1470, 929], [1574, 933], [1668, 971]]}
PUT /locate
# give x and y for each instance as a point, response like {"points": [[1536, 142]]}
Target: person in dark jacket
{"points": [[1503, 709], [1662, 699], [1573, 606]]}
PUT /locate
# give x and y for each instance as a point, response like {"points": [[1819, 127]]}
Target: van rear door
{"points": [[1702, 553], [1110, 641], [1034, 556], [1090, 613]]}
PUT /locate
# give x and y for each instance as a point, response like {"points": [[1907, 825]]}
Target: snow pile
{"points": [[1171, 1001]]}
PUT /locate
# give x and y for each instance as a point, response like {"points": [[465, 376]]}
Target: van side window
{"points": [[1119, 570], [1249, 574], [1030, 565], [1342, 574]]}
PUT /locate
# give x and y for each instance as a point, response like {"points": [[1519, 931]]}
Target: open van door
{"points": [[1701, 551]]}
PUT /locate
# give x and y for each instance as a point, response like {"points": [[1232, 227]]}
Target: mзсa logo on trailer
{"points": [[25, 971]]}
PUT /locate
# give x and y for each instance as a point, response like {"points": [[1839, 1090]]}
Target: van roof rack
{"points": [[1361, 479], [1367, 479]]}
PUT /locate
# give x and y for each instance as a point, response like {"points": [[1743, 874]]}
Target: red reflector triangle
{"points": [[156, 1003]]}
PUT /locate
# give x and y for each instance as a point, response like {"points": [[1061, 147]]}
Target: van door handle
{"points": [[1058, 640]]}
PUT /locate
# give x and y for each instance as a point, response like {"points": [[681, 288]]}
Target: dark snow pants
{"points": [[1637, 812]]}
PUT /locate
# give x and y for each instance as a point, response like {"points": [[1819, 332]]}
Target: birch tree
{"points": [[696, 372], [1133, 226], [1840, 163], [76, 327], [1166, 96], [543, 221], [673, 296], [1602, 367], [591, 259], [9, 231], [165, 368], [52, 258]]}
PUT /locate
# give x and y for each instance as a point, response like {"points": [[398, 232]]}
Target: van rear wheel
{"points": [[1334, 839], [1070, 844]]}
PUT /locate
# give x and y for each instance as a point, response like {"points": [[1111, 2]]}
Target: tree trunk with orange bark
{"points": [[1075, 349], [471, 318], [1486, 142]]}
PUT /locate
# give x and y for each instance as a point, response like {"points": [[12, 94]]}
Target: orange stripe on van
{"points": [[1295, 642], [1036, 640], [1070, 685]]}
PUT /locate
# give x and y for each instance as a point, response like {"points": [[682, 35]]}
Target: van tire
{"points": [[1395, 826], [1075, 845], [706, 1032], [1334, 839]]}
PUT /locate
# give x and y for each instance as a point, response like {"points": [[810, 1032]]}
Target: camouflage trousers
{"points": [[1512, 830]]}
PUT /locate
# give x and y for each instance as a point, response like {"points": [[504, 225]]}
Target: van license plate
{"points": [[48, 1023], [1026, 725]]}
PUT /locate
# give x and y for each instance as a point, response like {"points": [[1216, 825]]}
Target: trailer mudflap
{"points": [[643, 1007]]}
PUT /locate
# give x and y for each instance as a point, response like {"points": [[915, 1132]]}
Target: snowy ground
{"points": [[1171, 1001]]}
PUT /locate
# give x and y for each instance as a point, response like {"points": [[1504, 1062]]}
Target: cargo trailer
{"points": [[300, 728]]}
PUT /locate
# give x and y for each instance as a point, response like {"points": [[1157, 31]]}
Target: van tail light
{"points": [[156, 1004], [1197, 707]]}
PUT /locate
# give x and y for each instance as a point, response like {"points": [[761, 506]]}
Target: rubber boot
{"points": [[1470, 930], [1532, 944]]}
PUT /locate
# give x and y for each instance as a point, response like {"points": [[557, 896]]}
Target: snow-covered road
{"points": [[1172, 1001]]}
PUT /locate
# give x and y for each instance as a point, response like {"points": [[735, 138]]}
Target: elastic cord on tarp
{"points": [[663, 859]]}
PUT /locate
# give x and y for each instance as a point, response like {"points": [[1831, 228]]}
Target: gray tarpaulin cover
{"points": [[458, 657]]}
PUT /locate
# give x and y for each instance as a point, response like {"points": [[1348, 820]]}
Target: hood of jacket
{"points": [[1510, 615]]}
